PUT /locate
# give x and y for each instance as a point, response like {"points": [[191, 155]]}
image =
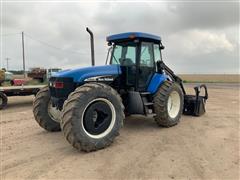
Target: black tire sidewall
{"points": [[81, 104], [161, 104], [4, 100], [176, 88], [41, 111]]}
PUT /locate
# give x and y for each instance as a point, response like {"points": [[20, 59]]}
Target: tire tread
{"points": [[68, 117]]}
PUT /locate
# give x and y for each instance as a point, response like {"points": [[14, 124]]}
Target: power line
{"points": [[10, 34], [52, 46], [44, 43]]}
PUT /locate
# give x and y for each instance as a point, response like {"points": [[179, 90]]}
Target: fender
{"points": [[156, 82]]}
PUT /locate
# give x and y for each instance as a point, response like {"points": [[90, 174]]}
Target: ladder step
{"points": [[148, 103], [151, 115], [145, 93]]}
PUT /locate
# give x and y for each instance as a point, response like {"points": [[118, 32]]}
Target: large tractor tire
{"points": [[47, 116], [92, 117], [3, 100], [168, 104]]}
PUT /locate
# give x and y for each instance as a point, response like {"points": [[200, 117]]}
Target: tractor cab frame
{"points": [[137, 54]]}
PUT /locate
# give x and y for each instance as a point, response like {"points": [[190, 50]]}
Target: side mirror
{"points": [[162, 47]]}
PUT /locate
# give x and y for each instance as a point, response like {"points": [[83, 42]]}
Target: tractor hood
{"points": [[81, 74]]}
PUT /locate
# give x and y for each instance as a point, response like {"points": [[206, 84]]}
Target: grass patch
{"points": [[200, 81]]}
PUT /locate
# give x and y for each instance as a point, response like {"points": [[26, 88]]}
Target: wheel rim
{"points": [[173, 104], [98, 118], [1, 101], [53, 112]]}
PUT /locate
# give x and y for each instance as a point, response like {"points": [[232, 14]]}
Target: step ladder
{"points": [[148, 103]]}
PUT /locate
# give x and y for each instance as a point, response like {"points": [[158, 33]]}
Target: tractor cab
{"points": [[137, 54]]}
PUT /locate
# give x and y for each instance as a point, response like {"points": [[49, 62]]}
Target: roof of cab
{"points": [[133, 35]]}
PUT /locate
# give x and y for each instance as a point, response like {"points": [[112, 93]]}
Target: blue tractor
{"points": [[90, 104]]}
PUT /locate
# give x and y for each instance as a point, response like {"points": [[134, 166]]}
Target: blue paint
{"points": [[156, 81], [127, 35], [80, 74]]}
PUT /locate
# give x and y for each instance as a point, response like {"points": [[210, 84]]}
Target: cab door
{"points": [[146, 65], [124, 54]]}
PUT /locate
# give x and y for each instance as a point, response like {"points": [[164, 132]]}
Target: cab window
{"points": [[117, 53], [157, 55], [125, 55], [146, 57]]}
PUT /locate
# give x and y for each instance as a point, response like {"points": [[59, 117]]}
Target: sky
{"points": [[199, 36]]}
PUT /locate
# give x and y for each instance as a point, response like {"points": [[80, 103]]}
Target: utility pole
{"points": [[7, 59], [23, 54]]}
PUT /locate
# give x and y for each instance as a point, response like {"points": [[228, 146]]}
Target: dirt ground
{"points": [[204, 147]]}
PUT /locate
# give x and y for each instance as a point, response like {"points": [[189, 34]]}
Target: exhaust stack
{"points": [[92, 45]]}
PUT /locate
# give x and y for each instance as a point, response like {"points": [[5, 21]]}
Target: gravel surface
{"points": [[204, 147]]}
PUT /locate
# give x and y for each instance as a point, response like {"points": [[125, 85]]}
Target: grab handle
{"points": [[198, 89]]}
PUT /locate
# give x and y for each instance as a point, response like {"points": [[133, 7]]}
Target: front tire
{"points": [[45, 114], [168, 104], [92, 117], [3, 100]]}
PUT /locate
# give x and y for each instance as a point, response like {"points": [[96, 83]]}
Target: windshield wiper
{"points": [[115, 59]]}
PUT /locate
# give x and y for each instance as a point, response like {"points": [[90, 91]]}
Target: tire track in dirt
{"points": [[197, 148]]}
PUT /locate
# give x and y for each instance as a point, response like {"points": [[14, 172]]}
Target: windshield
{"points": [[124, 55]]}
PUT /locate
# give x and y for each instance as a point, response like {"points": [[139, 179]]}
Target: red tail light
{"points": [[58, 85]]}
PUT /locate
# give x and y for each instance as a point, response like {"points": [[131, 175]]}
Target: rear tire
{"points": [[41, 106], [3, 100], [87, 110], [168, 104]]}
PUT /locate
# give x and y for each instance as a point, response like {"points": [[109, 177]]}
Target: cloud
{"points": [[196, 42], [198, 51], [205, 15], [190, 31]]}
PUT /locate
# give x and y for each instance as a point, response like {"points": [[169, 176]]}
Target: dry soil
{"points": [[204, 147]]}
